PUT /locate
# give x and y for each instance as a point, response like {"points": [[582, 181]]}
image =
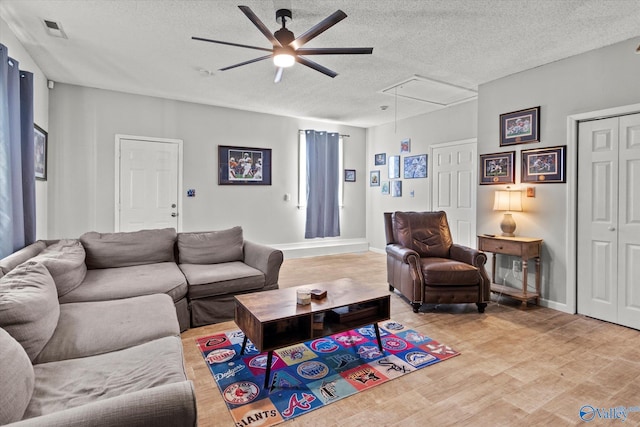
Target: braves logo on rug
{"points": [[303, 403], [241, 392], [324, 345], [312, 370], [221, 355]]}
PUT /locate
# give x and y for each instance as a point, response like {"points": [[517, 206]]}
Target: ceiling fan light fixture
{"points": [[283, 57]]}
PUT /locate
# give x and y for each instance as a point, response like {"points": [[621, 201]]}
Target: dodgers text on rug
{"points": [[315, 373]]}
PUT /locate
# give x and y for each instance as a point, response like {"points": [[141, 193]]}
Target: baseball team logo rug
{"points": [[315, 373]]}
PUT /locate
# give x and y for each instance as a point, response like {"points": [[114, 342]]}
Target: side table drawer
{"points": [[501, 246]]}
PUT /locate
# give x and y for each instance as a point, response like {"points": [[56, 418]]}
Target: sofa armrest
{"points": [[264, 258], [166, 405], [468, 255]]}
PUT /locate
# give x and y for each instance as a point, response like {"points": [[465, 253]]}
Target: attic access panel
{"points": [[431, 91]]}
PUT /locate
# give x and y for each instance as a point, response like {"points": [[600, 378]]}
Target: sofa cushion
{"points": [[109, 250], [29, 308], [65, 261], [76, 382], [126, 282], [10, 262], [220, 279], [448, 272], [211, 247], [427, 233], [119, 323], [17, 379]]}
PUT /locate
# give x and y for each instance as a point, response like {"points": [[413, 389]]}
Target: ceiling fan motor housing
{"points": [[283, 13]]}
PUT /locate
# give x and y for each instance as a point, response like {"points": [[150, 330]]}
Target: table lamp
{"points": [[508, 201]]}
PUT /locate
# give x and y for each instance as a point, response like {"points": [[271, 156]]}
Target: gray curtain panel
{"points": [[323, 179], [17, 179]]}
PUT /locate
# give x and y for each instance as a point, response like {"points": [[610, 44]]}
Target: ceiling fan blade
{"points": [[232, 44], [258, 23], [278, 77], [319, 28], [309, 63], [251, 61], [335, 51]]}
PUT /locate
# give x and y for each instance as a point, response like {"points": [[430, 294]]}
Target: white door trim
{"points": [[572, 182], [120, 137]]}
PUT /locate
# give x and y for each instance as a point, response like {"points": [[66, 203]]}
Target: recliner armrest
{"points": [[264, 258], [402, 253], [468, 255]]}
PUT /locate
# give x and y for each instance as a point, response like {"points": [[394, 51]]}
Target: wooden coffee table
{"points": [[273, 319]]}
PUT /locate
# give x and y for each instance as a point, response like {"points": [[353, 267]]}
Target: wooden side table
{"points": [[524, 247]]}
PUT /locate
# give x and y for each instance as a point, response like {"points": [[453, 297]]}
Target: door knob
{"points": [[173, 205], [611, 228], [173, 214]]}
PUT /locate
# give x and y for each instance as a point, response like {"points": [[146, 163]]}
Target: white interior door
{"points": [[454, 181], [148, 187], [609, 220]]}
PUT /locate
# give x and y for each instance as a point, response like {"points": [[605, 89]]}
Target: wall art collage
{"points": [[402, 166]]}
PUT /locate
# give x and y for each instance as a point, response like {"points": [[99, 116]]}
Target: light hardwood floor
{"points": [[519, 366]]}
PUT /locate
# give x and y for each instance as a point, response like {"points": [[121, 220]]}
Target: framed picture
{"points": [[415, 166], [497, 168], [40, 142], [244, 165], [405, 145], [349, 175], [394, 167], [396, 188], [381, 159], [520, 127], [374, 179], [544, 165], [385, 187]]}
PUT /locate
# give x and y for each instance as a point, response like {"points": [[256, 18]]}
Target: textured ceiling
{"points": [[145, 47]]}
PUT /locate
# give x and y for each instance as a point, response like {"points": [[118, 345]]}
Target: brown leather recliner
{"points": [[426, 266]]}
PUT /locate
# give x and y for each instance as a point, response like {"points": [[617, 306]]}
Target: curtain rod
{"points": [[342, 134]]}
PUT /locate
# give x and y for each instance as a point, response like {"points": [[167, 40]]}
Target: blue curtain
{"points": [[17, 178], [323, 179]]}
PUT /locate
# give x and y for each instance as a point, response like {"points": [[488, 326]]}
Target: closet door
{"points": [[609, 220], [629, 223], [598, 219]]}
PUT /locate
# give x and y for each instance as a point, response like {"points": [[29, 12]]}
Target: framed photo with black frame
{"points": [[520, 127], [40, 148], [497, 168], [349, 175], [380, 159], [244, 165], [415, 166], [544, 165]]}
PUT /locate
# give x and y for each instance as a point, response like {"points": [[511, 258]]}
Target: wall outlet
{"points": [[517, 266]]}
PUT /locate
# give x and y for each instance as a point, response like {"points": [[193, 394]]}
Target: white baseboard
{"points": [[322, 247], [555, 305]]}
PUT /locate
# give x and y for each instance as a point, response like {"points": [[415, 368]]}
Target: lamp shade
{"points": [[507, 200]]}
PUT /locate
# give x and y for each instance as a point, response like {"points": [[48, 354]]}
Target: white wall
{"points": [[596, 80], [450, 124], [40, 113], [83, 125]]}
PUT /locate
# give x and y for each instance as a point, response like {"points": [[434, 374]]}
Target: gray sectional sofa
{"points": [[90, 327]]}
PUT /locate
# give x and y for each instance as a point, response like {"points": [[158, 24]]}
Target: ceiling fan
{"points": [[287, 49]]}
